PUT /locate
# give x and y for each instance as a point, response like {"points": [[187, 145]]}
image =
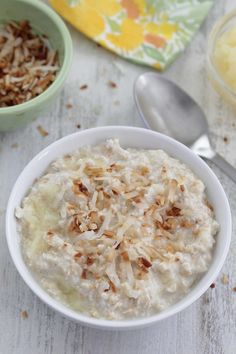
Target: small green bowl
{"points": [[44, 21]]}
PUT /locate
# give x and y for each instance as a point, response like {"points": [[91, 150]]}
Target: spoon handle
{"points": [[229, 170]]}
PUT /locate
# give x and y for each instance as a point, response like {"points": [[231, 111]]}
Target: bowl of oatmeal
{"points": [[118, 227], [35, 58]]}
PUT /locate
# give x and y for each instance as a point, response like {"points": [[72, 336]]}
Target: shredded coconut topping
{"points": [[28, 65]]}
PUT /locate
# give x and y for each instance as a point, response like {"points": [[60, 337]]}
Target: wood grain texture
{"points": [[206, 327]]}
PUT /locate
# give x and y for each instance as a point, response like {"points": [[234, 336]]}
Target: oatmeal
{"points": [[115, 233]]}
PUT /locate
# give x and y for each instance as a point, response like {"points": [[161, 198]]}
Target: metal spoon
{"points": [[165, 107]]}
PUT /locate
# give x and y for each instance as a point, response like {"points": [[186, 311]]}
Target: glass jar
{"points": [[222, 27]]}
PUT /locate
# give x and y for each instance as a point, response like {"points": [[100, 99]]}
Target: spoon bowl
{"points": [[167, 108]]}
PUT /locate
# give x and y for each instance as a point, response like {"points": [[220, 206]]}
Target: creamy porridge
{"points": [[117, 233]]}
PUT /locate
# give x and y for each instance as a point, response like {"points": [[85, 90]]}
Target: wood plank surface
{"points": [[206, 327]]}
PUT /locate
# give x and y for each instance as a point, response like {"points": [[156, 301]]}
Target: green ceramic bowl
{"points": [[45, 21]]}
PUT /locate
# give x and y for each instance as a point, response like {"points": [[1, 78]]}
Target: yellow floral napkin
{"points": [[151, 32]]}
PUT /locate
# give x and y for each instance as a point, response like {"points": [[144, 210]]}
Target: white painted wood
{"points": [[209, 325]]}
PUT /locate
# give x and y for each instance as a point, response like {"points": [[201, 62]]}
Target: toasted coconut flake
{"points": [[112, 84], [28, 65], [160, 200], [174, 211], [97, 276], [125, 256], [93, 215], [116, 191], [172, 223], [164, 225], [84, 274], [145, 262], [89, 261], [151, 210], [137, 199], [131, 195], [94, 171], [108, 233], [144, 170], [106, 195], [117, 245], [42, 131], [24, 314], [78, 255], [74, 227], [143, 269], [170, 248], [84, 87], [112, 286], [79, 187], [116, 167], [186, 224]]}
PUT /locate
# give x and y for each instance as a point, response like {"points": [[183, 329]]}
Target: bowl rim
{"points": [[63, 69], [103, 323], [217, 27]]}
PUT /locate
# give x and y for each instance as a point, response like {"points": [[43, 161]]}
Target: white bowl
{"points": [[135, 138]]}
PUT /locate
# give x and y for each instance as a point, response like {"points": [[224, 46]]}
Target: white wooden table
{"points": [[209, 325]]}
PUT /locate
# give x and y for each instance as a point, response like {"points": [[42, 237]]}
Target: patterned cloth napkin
{"points": [[150, 32]]}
